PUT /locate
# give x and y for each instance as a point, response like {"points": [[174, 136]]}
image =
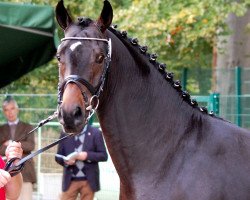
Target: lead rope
{"points": [[40, 124], [15, 168]]}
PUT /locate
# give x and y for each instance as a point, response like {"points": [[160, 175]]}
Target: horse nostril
{"points": [[78, 112], [72, 118]]}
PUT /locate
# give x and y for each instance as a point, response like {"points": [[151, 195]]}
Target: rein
{"points": [[80, 82], [14, 168]]}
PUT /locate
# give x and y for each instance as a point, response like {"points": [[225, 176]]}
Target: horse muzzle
{"points": [[75, 109], [72, 119], [71, 108]]}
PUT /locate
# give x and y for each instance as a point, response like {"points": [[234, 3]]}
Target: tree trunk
{"points": [[232, 50]]}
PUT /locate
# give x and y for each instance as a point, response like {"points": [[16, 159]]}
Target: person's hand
{"points": [[4, 178], [6, 143], [70, 161], [14, 150], [82, 156]]}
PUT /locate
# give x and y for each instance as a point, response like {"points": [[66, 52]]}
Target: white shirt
{"points": [[13, 123]]}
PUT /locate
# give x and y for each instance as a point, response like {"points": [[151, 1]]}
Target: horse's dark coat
{"points": [[161, 145]]}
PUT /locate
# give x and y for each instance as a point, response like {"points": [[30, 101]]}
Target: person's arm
{"points": [[13, 185]]}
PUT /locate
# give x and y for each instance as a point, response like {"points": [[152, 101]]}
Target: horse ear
{"points": [[62, 16], [106, 16]]}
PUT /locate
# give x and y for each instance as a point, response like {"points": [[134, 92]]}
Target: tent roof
{"points": [[27, 39]]}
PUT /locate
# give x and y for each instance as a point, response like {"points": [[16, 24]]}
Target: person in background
{"points": [[10, 187], [14, 130], [81, 170]]}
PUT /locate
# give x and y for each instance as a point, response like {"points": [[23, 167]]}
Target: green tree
{"points": [[182, 33]]}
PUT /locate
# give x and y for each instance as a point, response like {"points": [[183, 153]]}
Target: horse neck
{"points": [[140, 113]]}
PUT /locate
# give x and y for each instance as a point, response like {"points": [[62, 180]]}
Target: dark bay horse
{"points": [[163, 145]]}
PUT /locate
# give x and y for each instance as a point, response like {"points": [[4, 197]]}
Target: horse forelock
{"points": [[84, 21]]}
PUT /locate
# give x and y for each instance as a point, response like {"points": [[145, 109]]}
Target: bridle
{"points": [[14, 168], [80, 82]]}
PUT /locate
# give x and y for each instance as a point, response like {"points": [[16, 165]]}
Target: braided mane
{"points": [[133, 45]]}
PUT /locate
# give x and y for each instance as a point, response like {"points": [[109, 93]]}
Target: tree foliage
{"points": [[181, 32]]}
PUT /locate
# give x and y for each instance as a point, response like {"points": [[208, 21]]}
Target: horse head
{"points": [[83, 56]]}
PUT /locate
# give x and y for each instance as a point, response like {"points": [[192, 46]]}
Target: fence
{"points": [[49, 173], [233, 84], [34, 108], [203, 81], [236, 109]]}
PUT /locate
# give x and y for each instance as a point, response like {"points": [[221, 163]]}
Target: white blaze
{"points": [[73, 46]]}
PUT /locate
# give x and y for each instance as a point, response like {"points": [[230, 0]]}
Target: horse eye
{"points": [[58, 58], [99, 59]]}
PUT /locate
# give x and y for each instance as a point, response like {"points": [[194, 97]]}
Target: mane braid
{"points": [[140, 60], [169, 76]]}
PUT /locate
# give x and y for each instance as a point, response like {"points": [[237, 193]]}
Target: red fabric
{"points": [[2, 190]]}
